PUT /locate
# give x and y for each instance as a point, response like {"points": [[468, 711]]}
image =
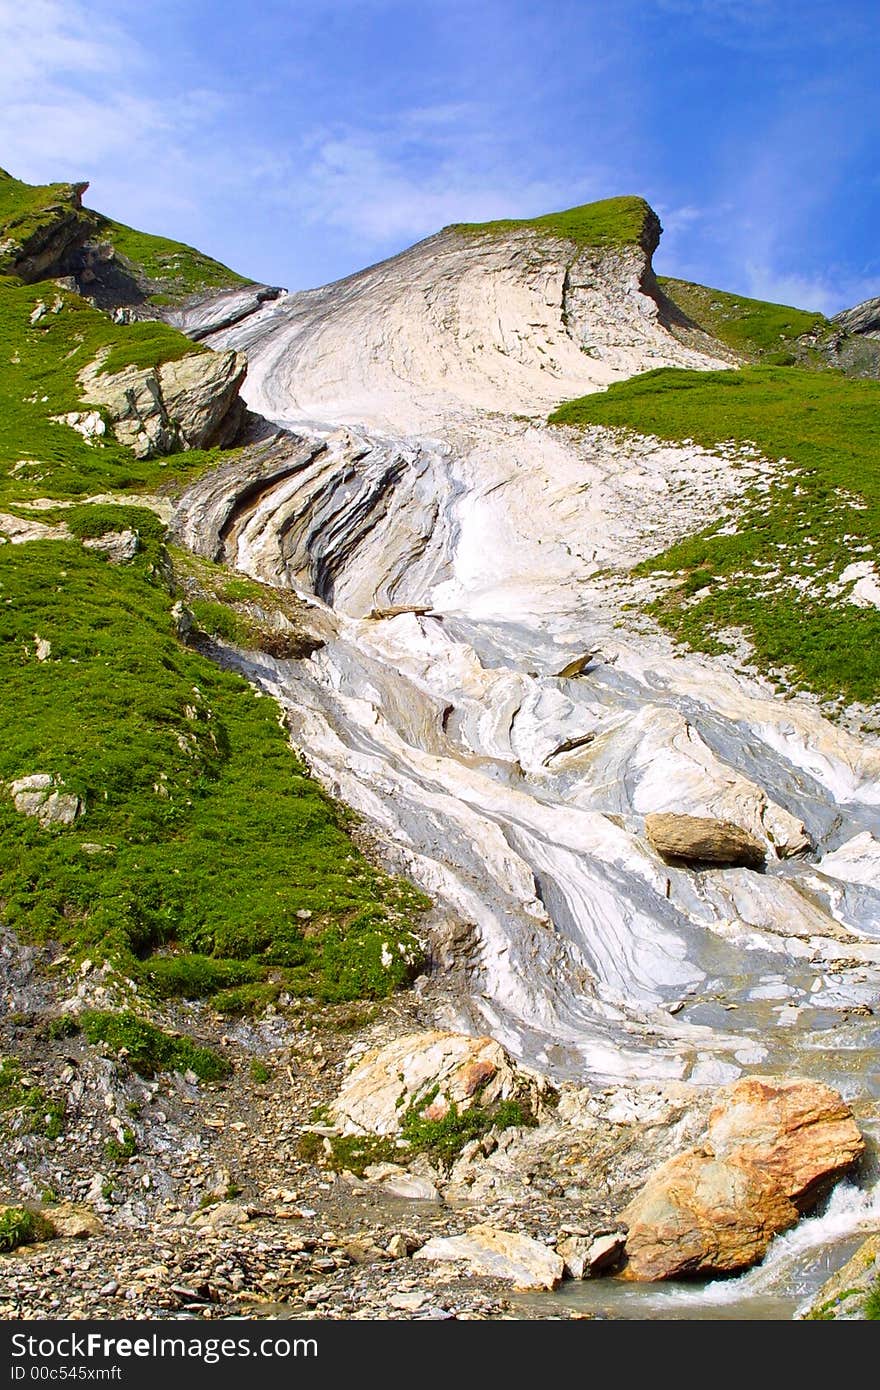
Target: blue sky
{"points": [[300, 141]]}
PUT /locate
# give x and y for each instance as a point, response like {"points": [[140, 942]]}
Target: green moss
{"points": [[29, 1106], [121, 1150], [612, 222], [192, 976], [219, 620], [21, 1226], [149, 1049], [260, 1073], [246, 1000], [773, 574], [64, 1026], [441, 1139], [751, 327], [445, 1138], [100, 519]]}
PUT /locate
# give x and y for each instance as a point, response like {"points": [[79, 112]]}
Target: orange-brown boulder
{"points": [[773, 1148]]}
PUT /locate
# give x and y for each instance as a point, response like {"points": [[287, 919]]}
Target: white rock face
{"points": [[188, 404], [19, 529], [88, 423], [425, 478], [119, 546]]}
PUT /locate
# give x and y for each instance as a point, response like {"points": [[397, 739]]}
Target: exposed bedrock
{"points": [[191, 403], [487, 706]]}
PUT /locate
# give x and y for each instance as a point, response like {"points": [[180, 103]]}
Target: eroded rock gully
{"points": [[505, 727], [470, 554]]}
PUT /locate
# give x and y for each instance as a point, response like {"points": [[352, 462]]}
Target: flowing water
{"points": [[782, 1286]]}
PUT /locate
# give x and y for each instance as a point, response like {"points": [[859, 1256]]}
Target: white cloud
{"points": [[826, 293]]}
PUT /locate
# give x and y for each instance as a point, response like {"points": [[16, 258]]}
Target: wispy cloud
{"points": [[407, 178]]}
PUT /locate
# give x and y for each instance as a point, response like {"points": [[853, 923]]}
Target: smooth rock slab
{"points": [[74, 1221], [842, 1297], [502, 1254], [703, 840]]}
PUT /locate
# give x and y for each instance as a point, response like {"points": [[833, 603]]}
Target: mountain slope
{"points": [[796, 568], [505, 317], [144, 749]]}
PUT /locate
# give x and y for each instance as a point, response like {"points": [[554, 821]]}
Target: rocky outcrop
{"points": [[18, 530], [42, 795], [209, 313], [773, 1148], [213, 510], [37, 244], [75, 1221], [863, 319], [584, 1256], [192, 403], [701, 840], [443, 1069], [119, 547], [842, 1298], [526, 1263]]}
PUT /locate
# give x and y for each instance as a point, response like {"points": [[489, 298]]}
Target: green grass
{"points": [[149, 1049], [174, 269], [771, 578], [38, 380], [872, 1304], [147, 344], [612, 222], [751, 327], [121, 1150], [33, 1111], [21, 1226], [211, 834]]}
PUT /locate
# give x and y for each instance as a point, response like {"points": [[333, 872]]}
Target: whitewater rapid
{"points": [[494, 707]]}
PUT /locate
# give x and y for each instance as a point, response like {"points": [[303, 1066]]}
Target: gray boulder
{"points": [[42, 796]]}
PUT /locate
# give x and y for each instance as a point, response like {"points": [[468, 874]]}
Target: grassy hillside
{"points": [[752, 327], [201, 829], [206, 861], [777, 576], [41, 351], [31, 215], [612, 222], [169, 270]]}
